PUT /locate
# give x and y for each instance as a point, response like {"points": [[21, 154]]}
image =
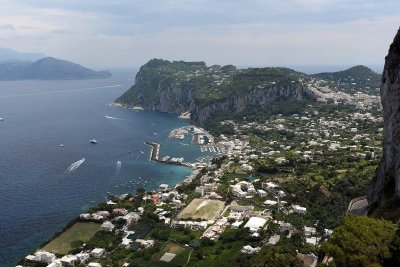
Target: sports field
{"points": [[205, 209], [78, 232]]}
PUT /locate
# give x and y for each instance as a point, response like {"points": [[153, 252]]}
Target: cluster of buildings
{"points": [[324, 93], [68, 260]]}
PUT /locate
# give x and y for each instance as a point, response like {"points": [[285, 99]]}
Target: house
{"points": [[97, 252], [261, 193], [85, 216], [56, 263], [155, 199], [255, 223], [199, 190], [237, 224], [107, 226], [82, 257], [309, 231], [145, 243], [269, 186], [299, 210], [163, 187], [249, 250], [312, 240], [132, 217], [42, 256], [274, 239], [69, 260], [270, 202], [285, 227], [120, 212], [103, 213], [164, 196]]}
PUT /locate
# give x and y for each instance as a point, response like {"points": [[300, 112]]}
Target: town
{"points": [[281, 184]]}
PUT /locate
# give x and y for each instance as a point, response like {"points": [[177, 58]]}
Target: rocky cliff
{"points": [[192, 86], [385, 188]]}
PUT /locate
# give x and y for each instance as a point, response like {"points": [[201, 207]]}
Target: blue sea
{"points": [[39, 190]]}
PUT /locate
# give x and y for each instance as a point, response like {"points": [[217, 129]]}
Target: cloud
{"points": [[7, 27], [115, 33]]}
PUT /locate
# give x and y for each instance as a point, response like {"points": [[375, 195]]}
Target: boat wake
{"points": [[75, 165], [113, 118]]}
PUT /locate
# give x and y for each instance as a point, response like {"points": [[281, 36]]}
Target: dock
{"points": [[155, 156], [155, 151]]}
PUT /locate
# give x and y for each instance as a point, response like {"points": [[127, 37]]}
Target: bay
{"points": [[38, 195]]}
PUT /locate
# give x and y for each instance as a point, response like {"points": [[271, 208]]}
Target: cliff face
{"points": [[259, 98], [385, 188], [178, 86]]}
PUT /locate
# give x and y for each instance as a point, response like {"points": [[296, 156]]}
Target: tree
{"points": [[361, 241]]}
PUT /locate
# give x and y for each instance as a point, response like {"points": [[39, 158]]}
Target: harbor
{"points": [[155, 156]]}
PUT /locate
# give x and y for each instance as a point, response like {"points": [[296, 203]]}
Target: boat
{"points": [[62, 145], [93, 141], [1, 119], [119, 163]]}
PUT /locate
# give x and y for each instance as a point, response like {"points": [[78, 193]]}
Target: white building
{"points": [[249, 250], [107, 226], [255, 223], [261, 193], [97, 252], [299, 209], [274, 239]]}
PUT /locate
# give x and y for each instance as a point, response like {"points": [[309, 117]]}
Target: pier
{"points": [[155, 151], [155, 156]]}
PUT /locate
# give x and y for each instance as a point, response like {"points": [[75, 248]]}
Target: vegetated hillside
{"points": [[48, 69], [204, 91], [355, 79]]}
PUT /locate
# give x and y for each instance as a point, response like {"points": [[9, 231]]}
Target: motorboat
{"points": [[93, 141]]}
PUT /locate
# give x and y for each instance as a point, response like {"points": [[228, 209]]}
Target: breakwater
{"points": [[155, 156]]}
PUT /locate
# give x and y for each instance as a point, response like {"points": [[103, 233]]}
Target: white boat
{"points": [[93, 141], [62, 145], [119, 164], [1, 119]]}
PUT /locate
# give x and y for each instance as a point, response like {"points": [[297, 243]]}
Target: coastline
{"points": [[202, 161]]}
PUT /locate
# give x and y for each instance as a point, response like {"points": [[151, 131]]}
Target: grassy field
{"points": [[205, 209], [78, 232], [181, 252]]}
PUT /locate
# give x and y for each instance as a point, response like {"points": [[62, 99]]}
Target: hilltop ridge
{"points": [[48, 68]]}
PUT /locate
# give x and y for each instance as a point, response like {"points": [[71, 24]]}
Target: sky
{"points": [[127, 33]]}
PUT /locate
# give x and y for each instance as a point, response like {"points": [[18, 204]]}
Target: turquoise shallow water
{"points": [[38, 195]]}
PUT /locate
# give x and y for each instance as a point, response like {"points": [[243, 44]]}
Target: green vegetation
{"points": [[352, 80], [183, 82], [361, 241], [72, 238]]}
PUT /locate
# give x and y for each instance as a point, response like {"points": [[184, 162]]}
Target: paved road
{"points": [[359, 207]]}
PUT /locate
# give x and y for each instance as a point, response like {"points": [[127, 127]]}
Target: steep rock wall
{"points": [[386, 184]]}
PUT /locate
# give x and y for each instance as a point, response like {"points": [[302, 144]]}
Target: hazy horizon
{"points": [[119, 34]]}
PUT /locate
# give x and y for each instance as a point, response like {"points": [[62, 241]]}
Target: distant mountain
{"points": [[7, 54], [48, 69], [358, 78]]}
